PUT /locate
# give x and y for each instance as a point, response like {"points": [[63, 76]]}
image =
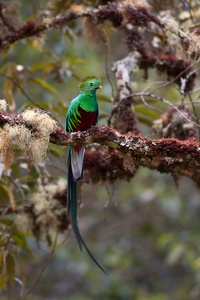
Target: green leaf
{"points": [[164, 239], [3, 281], [10, 268], [44, 84], [145, 121], [10, 195], [76, 60], [149, 101], [69, 34], [21, 241], [176, 254], [22, 273], [56, 151], [6, 221], [5, 66], [147, 111], [104, 98], [103, 116], [42, 65]]}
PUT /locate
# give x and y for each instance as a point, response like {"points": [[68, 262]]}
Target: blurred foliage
{"points": [[145, 232]]}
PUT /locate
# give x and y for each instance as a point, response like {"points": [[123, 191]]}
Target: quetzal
{"points": [[82, 114]]}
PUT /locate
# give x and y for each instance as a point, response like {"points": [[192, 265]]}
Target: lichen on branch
{"points": [[30, 130], [119, 14], [169, 155], [45, 210]]}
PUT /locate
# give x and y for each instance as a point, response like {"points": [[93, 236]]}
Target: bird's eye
{"points": [[91, 84]]}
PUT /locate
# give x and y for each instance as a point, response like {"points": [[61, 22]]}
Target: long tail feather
{"points": [[72, 207], [77, 158], [72, 199]]}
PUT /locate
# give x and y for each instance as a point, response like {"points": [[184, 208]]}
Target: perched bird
{"points": [[82, 114]]}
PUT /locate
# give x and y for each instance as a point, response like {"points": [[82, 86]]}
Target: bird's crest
{"points": [[86, 79]]}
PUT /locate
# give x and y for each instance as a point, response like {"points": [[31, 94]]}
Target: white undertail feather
{"points": [[77, 163]]}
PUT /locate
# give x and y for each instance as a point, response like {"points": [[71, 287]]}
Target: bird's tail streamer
{"points": [[72, 206]]}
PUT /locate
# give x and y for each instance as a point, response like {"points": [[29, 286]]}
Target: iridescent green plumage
{"points": [[86, 100], [82, 114]]}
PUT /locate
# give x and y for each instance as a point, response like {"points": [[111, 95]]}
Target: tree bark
{"points": [[125, 152]]}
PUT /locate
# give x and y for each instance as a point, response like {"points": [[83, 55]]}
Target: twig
{"points": [[42, 270], [195, 112], [5, 20], [168, 103], [175, 78], [29, 98], [21, 89], [107, 52]]}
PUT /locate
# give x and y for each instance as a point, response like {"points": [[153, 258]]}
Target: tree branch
{"points": [[166, 155], [33, 28], [136, 15], [127, 152]]}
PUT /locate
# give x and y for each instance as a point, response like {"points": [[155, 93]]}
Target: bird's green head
{"points": [[90, 84]]}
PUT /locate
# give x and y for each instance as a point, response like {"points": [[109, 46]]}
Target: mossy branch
{"points": [[136, 15], [166, 155], [126, 152]]}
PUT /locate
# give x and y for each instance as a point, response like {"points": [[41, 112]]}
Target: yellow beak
{"points": [[100, 87]]}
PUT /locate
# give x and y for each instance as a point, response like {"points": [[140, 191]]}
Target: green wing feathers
{"points": [[73, 115]]}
